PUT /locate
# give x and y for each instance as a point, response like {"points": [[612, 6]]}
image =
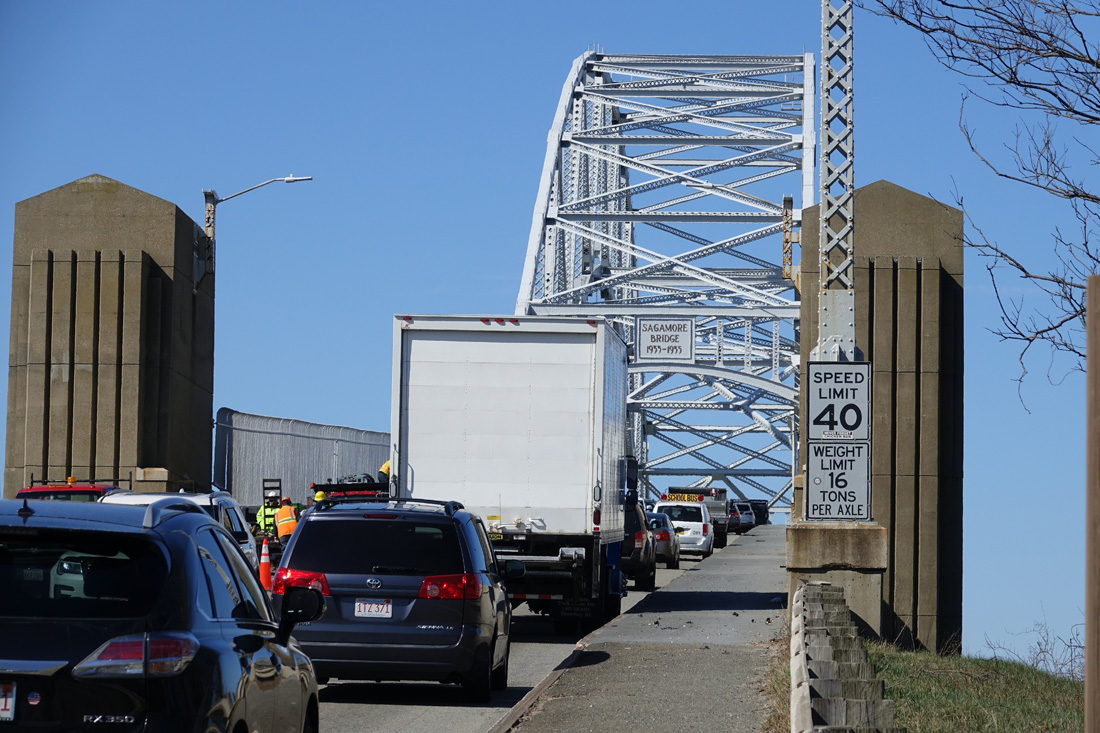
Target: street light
{"points": [[205, 262]]}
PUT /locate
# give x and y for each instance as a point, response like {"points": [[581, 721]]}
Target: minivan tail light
{"points": [[451, 587], [639, 539], [161, 654], [289, 577], [706, 526]]}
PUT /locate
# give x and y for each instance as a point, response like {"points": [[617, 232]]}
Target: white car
{"points": [[692, 523], [218, 504]]}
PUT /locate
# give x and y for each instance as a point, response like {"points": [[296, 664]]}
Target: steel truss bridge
{"points": [[672, 188]]}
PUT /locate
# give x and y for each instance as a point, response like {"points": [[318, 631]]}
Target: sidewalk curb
{"points": [[528, 701], [512, 716]]}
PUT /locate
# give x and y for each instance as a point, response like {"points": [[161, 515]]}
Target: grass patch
{"points": [[777, 689], [949, 693]]}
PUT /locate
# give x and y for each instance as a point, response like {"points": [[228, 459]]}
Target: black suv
{"points": [[414, 593], [129, 618]]}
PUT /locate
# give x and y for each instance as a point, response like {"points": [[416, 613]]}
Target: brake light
{"points": [[595, 517], [639, 539], [701, 497], [664, 497], [661, 536], [451, 587], [155, 655], [706, 526], [289, 577]]}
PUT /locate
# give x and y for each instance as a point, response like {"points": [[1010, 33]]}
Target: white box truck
{"points": [[523, 421]]}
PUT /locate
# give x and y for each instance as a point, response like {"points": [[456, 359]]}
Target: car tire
{"points": [[674, 563], [649, 580], [498, 679], [479, 683], [709, 552], [309, 725]]}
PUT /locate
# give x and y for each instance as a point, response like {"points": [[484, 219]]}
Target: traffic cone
{"points": [[265, 567]]}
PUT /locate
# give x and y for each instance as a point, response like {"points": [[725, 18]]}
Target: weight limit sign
{"points": [[838, 464]]}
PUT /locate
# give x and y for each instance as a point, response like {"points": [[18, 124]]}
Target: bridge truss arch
{"points": [[673, 187]]}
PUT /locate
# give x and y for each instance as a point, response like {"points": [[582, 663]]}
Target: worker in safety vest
{"points": [[286, 519], [265, 518], [384, 473]]}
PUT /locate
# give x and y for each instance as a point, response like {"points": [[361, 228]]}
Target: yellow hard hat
{"points": [[319, 496]]}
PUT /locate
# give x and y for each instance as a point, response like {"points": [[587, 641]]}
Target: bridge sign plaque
{"points": [[664, 339], [838, 464]]}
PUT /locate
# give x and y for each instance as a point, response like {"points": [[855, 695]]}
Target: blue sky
{"points": [[424, 127]]}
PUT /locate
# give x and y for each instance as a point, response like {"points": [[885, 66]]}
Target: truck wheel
{"points": [[612, 606], [565, 626], [719, 539]]}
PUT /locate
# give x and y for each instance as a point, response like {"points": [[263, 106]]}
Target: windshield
{"points": [[78, 575]]}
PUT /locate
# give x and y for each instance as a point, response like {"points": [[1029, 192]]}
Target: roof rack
{"points": [[69, 480], [450, 507]]}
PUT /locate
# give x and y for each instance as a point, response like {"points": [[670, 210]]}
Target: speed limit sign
{"points": [[838, 462], [838, 400]]}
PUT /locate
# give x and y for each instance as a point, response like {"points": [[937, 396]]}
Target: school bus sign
{"points": [[838, 436]]}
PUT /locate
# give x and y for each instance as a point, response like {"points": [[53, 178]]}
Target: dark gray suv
{"points": [[413, 590]]}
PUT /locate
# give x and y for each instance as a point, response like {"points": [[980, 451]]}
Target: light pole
{"points": [[205, 263]]}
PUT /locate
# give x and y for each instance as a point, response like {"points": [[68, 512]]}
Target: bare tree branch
{"points": [[1037, 57]]}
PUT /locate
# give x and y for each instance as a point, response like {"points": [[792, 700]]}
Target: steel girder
{"points": [[663, 194]]}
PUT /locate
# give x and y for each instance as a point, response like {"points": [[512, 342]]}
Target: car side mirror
{"points": [[514, 569], [300, 604]]}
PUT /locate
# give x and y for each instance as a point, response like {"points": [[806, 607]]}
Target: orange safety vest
{"points": [[285, 521]]}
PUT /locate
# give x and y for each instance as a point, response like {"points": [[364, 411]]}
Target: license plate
{"points": [[365, 608], [495, 536], [7, 701]]}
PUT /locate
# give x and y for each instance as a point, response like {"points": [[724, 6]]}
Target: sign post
{"points": [[838, 467]]}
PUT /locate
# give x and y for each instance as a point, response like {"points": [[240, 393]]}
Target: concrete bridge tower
{"points": [[111, 365]]}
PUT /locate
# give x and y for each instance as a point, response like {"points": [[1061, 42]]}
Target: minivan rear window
{"points": [[78, 575], [682, 513], [381, 546]]}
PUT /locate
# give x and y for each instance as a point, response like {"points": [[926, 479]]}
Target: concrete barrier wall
{"points": [[833, 686]]}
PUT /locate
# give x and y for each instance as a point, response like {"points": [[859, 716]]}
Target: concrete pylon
{"points": [[111, 367], [902, 572]]}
